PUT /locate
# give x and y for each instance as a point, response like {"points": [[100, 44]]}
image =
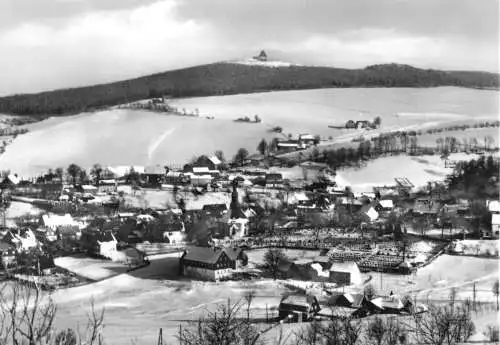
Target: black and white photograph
{"points": [[249, 172]]}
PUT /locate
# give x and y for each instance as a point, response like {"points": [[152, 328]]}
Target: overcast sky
{"points": [[46, 44]]}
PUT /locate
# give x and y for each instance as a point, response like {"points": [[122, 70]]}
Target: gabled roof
{"points": [[392, 302], [215, 160], [370, 212], [199, 170], [494, 205], [208, 255], [348, 267], [215, 208], [54, 220], [426, 206], [233, 253], [299, 300], [274, 177], [386, 203]]}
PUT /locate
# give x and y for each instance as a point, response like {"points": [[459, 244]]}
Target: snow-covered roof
{"points": [[215, 160], [386, 203], [88, 187], [346, 267], [370, 212], [200, 170], [13, 178], [301, 197], [495, 219], [54, 220], [494, 206]]}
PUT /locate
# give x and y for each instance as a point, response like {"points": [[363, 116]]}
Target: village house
{"points": [[22, 240], [298, 307], [54, 221], [389, 304], [209, 263], [306, 140], [345, 273], [99, 243], [176, 178], [238, 228], [154, 175], [494, 208], [403, 186], [288, 145], [426, 207], [8, 254], [274, 180], [107, 186], [384, 205], [287, 269], [369, 213], [212, 163]]}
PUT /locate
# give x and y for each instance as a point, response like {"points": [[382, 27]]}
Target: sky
{"points": [[48, 44]]}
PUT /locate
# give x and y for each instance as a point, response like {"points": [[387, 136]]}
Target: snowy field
{"points": [[138, 303], [382, 171], [93, 269], [126, 137]]}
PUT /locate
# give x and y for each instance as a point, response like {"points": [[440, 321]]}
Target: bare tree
{"points": [[492, 334], [28, 318], [221, 327], [272, 259], [495, 291], [443, 325], [369, 291]]}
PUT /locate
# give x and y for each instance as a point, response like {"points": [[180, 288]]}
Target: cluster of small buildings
{"points": [[302, 142]]}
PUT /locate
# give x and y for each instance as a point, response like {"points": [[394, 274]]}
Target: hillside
{"points": [[233, 78]]}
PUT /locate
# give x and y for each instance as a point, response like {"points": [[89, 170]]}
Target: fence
{"points": [[160, 248]]}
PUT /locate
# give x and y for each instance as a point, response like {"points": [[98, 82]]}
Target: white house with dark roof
{"points": [[209, 263]]}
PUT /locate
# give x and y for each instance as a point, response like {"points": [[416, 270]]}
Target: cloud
{"points": [[101, 46], [62, 43]]}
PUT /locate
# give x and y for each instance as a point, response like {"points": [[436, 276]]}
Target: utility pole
{"points": [[474, 296]]}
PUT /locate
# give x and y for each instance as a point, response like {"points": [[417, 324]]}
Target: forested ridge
{"points": [[234, 78]]}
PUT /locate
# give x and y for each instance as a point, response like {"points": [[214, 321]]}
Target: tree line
{"points": [[226, 78]]}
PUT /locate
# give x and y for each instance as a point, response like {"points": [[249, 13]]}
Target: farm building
{"points": [[108, 186], [348, 300], [345, 273], [299, 307], [289, 270], [369, 212], [385, 205], [100, 243], [389, 305], [8, 254], [209, 263], [154, 175], [211, 163], [54, 221], [274, 180], [238, 228]]}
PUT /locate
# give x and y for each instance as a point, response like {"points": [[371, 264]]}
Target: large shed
{"points": [[345, 273]]}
